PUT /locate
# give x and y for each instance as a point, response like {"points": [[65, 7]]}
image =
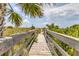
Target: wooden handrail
{"points": [[57, 46], [71, 41], [23, 46], [8, 42]]}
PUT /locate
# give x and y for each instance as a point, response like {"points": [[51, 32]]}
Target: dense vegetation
{"points": [[71, 31]]}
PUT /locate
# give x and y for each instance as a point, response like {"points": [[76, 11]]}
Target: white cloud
{"points": [[66, 10], [63, 15], [25, 21]]}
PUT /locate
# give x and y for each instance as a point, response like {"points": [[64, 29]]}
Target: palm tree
{"points": [[2, 9], [32, 9]]}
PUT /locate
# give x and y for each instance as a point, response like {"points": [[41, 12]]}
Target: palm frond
{"points": [[15, 18], [32, 9]]}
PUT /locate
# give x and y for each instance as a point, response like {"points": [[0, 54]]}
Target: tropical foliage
{"points": [[31, 9]]}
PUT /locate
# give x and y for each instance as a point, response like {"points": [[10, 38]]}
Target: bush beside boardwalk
{"points": [[9, 31]]}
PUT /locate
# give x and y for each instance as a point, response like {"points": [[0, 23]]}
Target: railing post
{"points": [[44, 32], [10, 52], [35, 33]]}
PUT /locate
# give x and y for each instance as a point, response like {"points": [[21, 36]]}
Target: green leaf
{"points": [[15, 18], [32, 9]]}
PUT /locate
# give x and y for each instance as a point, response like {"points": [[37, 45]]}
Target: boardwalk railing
{"points": [[23, 41], [52, 44]]}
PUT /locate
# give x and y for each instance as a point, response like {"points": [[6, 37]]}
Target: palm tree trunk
{"points": [[2, 11]]}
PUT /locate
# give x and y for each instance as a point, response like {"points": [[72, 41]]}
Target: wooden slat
{"points": [[71, 41], [21, 48], [58, 47], [28, 46], [7, 43], [51, 46], [16, 38]]}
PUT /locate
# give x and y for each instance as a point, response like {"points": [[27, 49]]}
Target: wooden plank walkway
{"points": [[40, 47]]}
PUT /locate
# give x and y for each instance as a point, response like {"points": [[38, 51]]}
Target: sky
{"points": [[61, 14]]}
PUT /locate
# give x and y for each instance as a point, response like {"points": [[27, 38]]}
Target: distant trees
{"points": [[71, 31], [32, 27], [54, 27]]}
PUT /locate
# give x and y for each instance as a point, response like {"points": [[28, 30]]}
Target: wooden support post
{"points": [[10, 52]]}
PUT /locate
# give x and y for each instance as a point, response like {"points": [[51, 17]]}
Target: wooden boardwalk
{"points": [[40, 47]]}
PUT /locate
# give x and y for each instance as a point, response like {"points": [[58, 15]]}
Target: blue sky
{"points": [[61, 14]]}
